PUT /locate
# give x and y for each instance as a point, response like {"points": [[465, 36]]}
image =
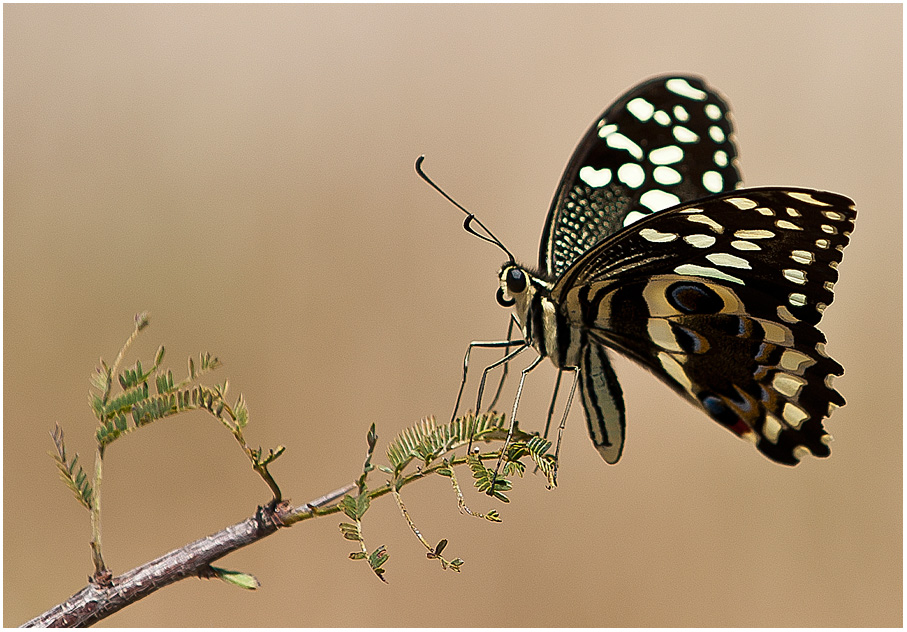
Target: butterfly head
{"points": [[521, 290]]}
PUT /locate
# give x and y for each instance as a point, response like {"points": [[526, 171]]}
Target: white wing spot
{"points": [[795, 361], [806, 197], [631, 174], [641, 109], [785, 315], [745, 245], [775, 333], [708, 221], [650, 234], [742, 203], [794, 276], [796, 299], [634, 216], [829, 285], [666, 155], [690, 269], [830, 380], [820, 307], [793, 212], [662, 118], [595, 177], [834, 215], [721, 158], [820, 349], [764, 210], [800, 452], [831, 230], [822, 243], [803, 256], [619, 141], [726, 260], [712, 181], [783, 223], [771, 428], [607, 130], [681, 114], [657, 200], [666, 175], [795, 416], [685, 135], [713, 111], [700, 241], [754, 234], [684, 89], [717, 134]]}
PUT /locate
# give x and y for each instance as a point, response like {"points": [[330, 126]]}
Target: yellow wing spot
{"points": [[787, 385], [673, 368], [783, 223], [742, 203], [802, 256], [660, 333], [795, 361], [794, 415], [708, 221], [806, 197], [771, 428], [785, 315]]}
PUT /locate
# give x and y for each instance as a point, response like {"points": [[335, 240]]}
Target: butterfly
{"points": [[650, 250]]}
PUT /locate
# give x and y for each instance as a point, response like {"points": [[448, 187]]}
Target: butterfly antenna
{"points": [[470, 217]]}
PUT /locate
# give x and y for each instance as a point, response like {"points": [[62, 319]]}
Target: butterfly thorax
{"points": [[542, 324]]}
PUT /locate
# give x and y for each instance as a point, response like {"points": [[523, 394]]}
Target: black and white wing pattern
{"points": [[720, 298], [667, 140]]}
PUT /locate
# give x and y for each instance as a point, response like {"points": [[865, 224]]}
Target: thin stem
{"points": [[101, 574]]}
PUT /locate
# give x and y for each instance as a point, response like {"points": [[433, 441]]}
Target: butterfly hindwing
{"points": [[666, 141], [720, 298]]}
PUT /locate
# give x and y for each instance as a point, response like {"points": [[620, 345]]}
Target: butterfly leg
{"points": [[496, 344], [507, 358], [506, 368], [516, 402], [560, 430]]}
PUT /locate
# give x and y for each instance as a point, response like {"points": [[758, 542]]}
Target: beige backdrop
{"points": [[245, 174]]}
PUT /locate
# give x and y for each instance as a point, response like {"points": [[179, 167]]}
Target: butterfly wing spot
{"points": [[806, 197], [720, 158], [672, 367], [683, 88], [794, 361], [785, 315], [662, 334], [783, 223], [717, 134], [617, 140], [595, 177], [689, 269], [754, 234], [797, 299], [833, 215], [787, 385], [662, 118], [726, 260], [657, 200], [713, 181], [666, 175], [634, 216], [794, 276], [713, 111], [606, 130], [742, 203], [803, 256], [681, 114], [772, 427], [831, 230], [685, 135], [776, 333], [641, 109], [700, 241], [708, 221], [792, 212], [823, 244], [650, 234], [744, 245], [667, 155], [631, 174], [828, 285], [762, 210]]}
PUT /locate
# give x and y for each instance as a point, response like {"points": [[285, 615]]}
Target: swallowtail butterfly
{"points": [[650, 251]]}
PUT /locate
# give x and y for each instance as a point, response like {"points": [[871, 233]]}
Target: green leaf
{"points": [[243, 580]]}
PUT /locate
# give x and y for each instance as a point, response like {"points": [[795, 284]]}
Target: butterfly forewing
{"points": [[666, 141], [720, 298]]}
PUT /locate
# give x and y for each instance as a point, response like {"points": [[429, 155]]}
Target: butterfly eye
{"points": [[516, 281]]}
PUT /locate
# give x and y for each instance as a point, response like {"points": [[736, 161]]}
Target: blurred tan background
{"points": [[245, 173]]}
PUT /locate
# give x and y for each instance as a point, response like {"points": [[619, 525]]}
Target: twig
{"points": [[94, 603]]}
